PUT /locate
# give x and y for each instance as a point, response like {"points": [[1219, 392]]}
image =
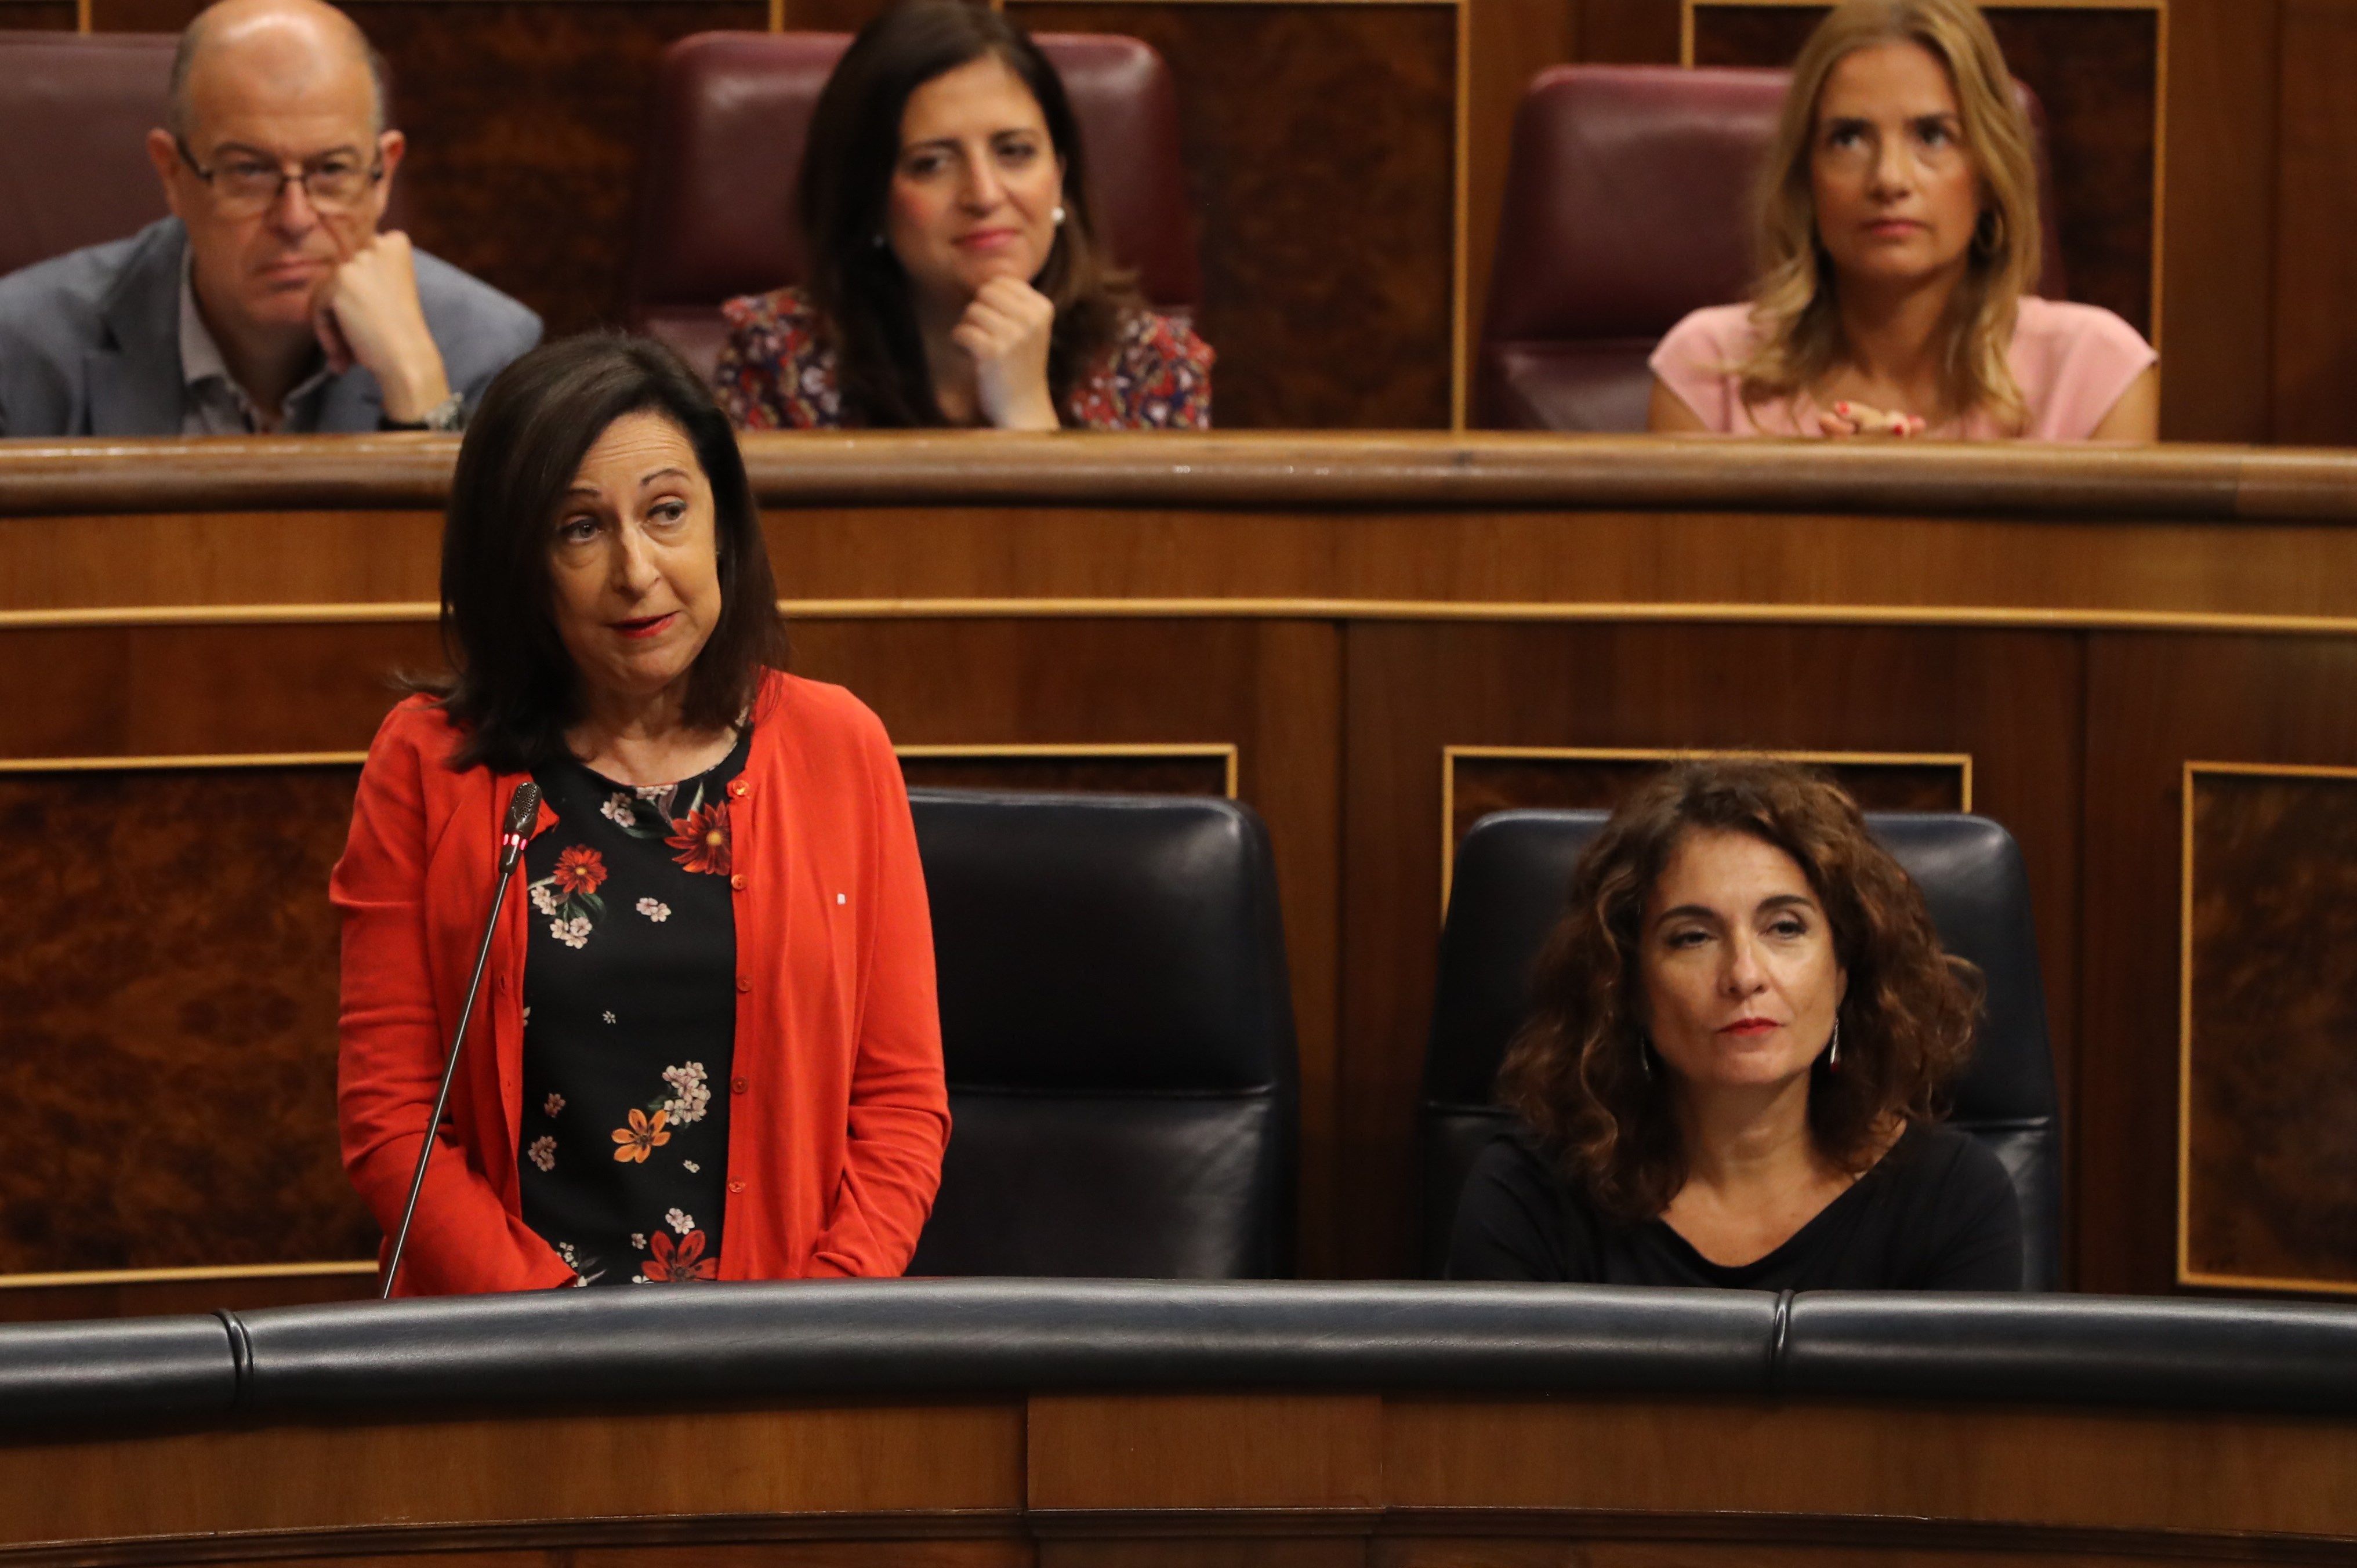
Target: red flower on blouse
{"points": [[702, 839], [579, 870], [676, 1267]]}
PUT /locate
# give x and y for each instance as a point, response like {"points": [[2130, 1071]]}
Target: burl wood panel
{"points": [[167, 974], [2153, 703], [1321, 140], [2272, 1073], [1486, 784], [2097, 73], [2008, 700], [2316, 273]]}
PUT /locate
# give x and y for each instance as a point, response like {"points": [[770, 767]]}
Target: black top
{"points": [[1937, 1212], [630, 1025]]}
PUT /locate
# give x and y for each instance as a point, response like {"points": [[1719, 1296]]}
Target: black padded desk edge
{"points": [[895, 1338]]}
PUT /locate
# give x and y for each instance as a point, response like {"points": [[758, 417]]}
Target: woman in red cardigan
{"points": [[707, 1045]]}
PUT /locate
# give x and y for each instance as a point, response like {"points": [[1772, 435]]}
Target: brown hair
{"points": [[1576, 1074], [1793, 304], [859, 285], [515, 688]]}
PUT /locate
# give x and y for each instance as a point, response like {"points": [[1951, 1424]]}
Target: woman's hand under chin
{"points": [[1006, 329], [1858, 419]]}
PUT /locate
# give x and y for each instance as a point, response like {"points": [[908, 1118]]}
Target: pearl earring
{"points": [[1059, 214]]}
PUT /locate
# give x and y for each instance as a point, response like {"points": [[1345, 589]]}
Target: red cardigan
{"points": [[835, 1138]]}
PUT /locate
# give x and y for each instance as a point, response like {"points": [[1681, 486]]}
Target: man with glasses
{"points": [[268, 301]]}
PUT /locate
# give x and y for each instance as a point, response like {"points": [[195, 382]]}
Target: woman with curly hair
{"points": [[1898, 243], [1735, 1070]]}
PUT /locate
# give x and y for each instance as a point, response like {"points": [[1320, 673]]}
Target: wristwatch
{"points": [[447, 414]]}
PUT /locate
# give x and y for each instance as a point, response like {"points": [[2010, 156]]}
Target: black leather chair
{"points": [[1118, 1027], [1511, 872]]}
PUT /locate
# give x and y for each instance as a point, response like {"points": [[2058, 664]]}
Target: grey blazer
{"points": [[89, 342]]}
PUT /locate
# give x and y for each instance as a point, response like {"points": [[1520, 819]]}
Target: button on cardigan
{"points": [[834, 1147]]}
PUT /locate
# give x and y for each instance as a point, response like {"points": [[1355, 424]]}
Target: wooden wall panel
{"points": [[1480, 785], [1114, 773], [167, 978], [2218, 252], [1272, 688], [2153, 704], [1321, 138], [1629, 32], [48, 15], [2097, 73], [2269, 1193], [2007, 699], [1507, 42], [2316, 232]]}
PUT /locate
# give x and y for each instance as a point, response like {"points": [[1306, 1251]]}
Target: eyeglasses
{"points": [[244, 184]]}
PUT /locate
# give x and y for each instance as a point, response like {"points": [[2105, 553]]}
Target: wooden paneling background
{"points": [[1348, 155], [1349, 615]]}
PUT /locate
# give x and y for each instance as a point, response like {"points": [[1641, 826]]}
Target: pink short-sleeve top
{"points": [[2072, 361]]}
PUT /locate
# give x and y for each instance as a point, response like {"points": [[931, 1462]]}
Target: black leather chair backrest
{"points": [[1512, 872], [1118, 1027]]}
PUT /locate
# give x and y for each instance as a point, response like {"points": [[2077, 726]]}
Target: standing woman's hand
{"points": [[1006, 330]]}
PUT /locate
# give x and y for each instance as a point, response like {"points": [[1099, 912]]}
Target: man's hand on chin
{"points": [[368, 315]]}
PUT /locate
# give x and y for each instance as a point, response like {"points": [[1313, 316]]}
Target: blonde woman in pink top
{"points": [[1900, 234]]}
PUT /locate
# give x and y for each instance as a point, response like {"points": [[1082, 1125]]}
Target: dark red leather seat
{"points": [[1627, 205], [75, 112], [716, 213]]}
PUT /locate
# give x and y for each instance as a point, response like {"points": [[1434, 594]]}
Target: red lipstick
{"points": [[646, 626]]}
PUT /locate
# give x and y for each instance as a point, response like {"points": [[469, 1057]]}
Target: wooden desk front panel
{"points": [[2064, 669], [1244, 1478]]}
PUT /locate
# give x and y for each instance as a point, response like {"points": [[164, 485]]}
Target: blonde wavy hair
{"points": [[1793, 306]]}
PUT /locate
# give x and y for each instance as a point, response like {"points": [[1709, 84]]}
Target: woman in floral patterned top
{"points": [[955, 278], [707, 1045]]}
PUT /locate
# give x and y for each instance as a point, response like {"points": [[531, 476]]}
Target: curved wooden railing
{"points": [[1271, 470]]}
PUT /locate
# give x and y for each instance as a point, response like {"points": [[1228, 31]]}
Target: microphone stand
{"points": [[523, 810]]}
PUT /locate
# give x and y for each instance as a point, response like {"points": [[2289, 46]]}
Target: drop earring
{"points": [[1832, 1052], [1645, 1054]]}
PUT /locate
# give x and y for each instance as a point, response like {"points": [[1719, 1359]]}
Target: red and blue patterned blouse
{"points": [[778, 373]]}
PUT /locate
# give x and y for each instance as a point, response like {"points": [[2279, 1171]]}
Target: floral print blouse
{"points": [[630, 1025], [777, 373]]}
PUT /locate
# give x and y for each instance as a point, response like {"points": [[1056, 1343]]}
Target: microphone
{"points": [[523, 810]]}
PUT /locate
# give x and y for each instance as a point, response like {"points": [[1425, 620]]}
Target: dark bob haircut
{"points": [[514, 691], [1577, 1074], [859, 285]]}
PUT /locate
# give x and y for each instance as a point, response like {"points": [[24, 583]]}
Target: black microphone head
{"points": [[524, 811]]}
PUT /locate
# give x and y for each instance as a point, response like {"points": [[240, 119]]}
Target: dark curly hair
{"points": [[1574, 1073]]}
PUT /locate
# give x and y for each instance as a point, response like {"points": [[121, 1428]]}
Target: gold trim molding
{"points": [[1450, 755], [1646, 612]]}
